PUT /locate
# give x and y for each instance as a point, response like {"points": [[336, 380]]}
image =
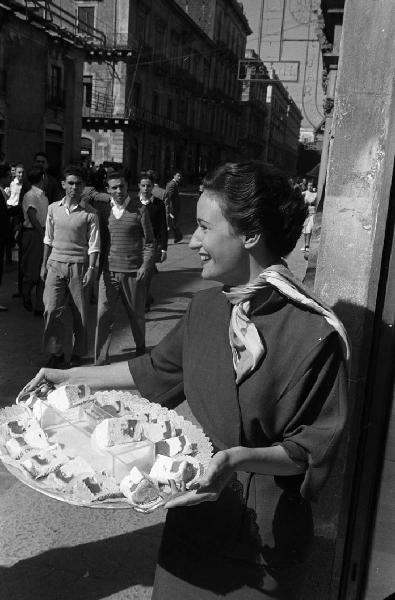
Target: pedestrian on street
{"points": [[262, 363], [52, 188], [71, 249], [310, 199], [157, 213], [14, 206], [127, 255], [5, 179], [35, 209], [157, 190], [172, 203]]}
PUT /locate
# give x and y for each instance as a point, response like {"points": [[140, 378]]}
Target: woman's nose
{"points": [[195, 242]]}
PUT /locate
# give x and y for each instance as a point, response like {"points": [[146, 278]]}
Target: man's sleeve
{"points": [[149, 238], [49, 226], [93, 233], [163, 234]]}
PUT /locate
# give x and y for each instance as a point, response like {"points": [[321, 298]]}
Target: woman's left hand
{"points": [[207, 488]]}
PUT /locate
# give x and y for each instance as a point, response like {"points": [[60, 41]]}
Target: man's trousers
{"points": [[112, 286], [64, 283]]}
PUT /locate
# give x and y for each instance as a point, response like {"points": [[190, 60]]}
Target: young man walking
{"points": [[172, 203], [71, 249], [126, 259], [157, 213], [35, 209]]}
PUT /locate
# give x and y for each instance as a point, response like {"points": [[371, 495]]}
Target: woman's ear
{"points": [[251, 239]]}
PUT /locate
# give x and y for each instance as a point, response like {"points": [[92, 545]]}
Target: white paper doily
{"points": [[72, 433]]}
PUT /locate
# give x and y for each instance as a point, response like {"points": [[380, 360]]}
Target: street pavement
{"points": [[50, 550]]}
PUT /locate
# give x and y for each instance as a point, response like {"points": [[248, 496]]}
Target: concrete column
{"points": [[360, 169]]}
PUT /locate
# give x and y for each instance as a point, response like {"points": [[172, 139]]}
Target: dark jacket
{"points": [[157, 213], [172, 198], [295, 398]]}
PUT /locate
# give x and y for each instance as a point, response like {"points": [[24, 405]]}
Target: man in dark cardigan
{"points": [[157, 213], [127, 255]]}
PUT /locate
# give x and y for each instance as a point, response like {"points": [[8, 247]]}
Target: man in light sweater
{"points": [[71, 249], [127, 256]]}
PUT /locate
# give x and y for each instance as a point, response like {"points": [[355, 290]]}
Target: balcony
{"points": [[102, 115], [58, 22]]}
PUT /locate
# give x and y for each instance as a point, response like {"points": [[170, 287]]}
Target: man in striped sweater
{"points": [[127, 255]]}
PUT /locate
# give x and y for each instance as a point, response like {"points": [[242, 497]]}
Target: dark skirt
{"points": [[245, 546]]}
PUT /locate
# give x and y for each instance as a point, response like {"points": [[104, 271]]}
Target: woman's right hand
{"points": [[54, 376]]}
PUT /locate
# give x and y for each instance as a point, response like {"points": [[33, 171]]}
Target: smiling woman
{"points": [[263, 366]]}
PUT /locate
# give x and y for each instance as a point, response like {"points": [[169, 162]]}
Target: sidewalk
{"points": [[50, 550]]}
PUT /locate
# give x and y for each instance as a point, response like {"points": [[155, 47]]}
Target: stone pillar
{"points": [[354, 220]]}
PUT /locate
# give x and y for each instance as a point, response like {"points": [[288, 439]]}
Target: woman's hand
{"points": [[54, 376], [209, 487]]}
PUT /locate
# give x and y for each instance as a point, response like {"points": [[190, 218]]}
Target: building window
{"points": [[55, 85], [86, 19], [88, 88]]}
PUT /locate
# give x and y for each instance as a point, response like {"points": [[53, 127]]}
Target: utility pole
{"points": [[260, 28]]}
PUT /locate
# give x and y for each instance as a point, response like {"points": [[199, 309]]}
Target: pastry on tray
{"points": [[140, 490], [96, 487], [69, 473], [179, 444], [32, 440], [41, 463], [17, 428], [178, 469], [68, 396], [158, 430], [121, 430]]}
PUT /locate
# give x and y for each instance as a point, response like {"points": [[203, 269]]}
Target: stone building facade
{"points": [[254, 77], [41, 74], [282, 132], [174, 103]]}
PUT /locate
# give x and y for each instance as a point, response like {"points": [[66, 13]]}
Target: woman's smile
{"points": [[220, 248]]}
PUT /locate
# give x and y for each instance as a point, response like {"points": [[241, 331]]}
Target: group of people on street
{"points": [[85, 238], [262, 363]]}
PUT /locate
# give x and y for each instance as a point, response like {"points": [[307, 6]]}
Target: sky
{"points": [[252, 9]]}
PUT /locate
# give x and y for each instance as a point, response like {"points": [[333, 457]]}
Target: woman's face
{"points": [[221, 250]]}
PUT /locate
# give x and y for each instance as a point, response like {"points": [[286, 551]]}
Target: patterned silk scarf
{"points": [[248, 349]]}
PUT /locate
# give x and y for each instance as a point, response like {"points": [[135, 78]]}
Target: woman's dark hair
{"points": [[35, 175], [257, 198]]}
